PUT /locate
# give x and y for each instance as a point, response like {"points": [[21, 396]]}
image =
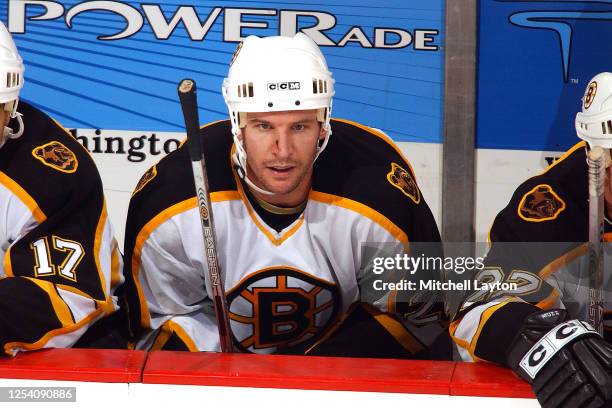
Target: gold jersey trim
{"points": [[396, 329], [155, 222], [565, 155], [380, 135], [362, 209], [23, 195]]}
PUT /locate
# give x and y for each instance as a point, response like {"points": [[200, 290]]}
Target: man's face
{"points": [[281, 148]]}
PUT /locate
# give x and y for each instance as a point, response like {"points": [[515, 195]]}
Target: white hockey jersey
{"points": [[287, 288]]}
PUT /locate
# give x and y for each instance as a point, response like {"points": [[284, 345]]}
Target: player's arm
{"points": [[566, 363], [525, 252], [386, 320], [175, 311]]}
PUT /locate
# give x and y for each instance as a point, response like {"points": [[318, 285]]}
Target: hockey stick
{"points": [[188, 99], [596, 160]]}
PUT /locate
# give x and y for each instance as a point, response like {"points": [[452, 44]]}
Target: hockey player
{"points": [[60, 262], [538, 241], [292, 208]]}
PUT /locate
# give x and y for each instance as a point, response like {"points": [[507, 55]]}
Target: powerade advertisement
{"points": [[535, 59], [116, 64]]}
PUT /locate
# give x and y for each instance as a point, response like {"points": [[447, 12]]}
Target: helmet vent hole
{"points": [[270, 104], [297, 103], [603, 127], [319, 86], [610, 126], [246, 90]]}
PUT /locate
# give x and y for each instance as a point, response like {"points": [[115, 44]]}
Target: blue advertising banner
{"points": [[116, 64], [535, 60]]}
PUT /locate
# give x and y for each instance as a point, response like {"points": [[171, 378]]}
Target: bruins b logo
{"points": [[57, 156], [281, 307], [540, 204], [404, 181], [589, 95]]}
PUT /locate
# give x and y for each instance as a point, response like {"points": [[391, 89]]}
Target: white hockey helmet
{"points": [[274, 74], [594, 123], [11, 80]]}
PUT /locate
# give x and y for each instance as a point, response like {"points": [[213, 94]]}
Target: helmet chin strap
{"points": [[242, 174], [8, 132]]}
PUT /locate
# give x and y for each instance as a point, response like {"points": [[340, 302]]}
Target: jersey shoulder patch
{"points": [[403, 180], [364, 165], [57, 156], [146, 178], [48, 162], [541, 203], [550, 207]]}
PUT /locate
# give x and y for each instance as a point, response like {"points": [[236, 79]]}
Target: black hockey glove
{"points": [[567, 363]]}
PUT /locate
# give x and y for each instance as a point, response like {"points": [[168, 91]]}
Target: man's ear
{"points": [[322, 133]]}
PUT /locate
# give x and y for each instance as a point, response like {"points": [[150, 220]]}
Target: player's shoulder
{"points": [[571, 162], [47, 161], [551, 206], [364, 165], [169, 183]]}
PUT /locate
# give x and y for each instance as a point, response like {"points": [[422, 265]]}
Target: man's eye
{"points": [[299, 126], [263, 126]]}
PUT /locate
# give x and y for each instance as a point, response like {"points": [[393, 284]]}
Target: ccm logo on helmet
{"points": [[284, 86]]}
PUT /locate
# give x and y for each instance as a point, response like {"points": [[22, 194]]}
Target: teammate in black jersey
{"points": [[539, 242], [59, 261]]}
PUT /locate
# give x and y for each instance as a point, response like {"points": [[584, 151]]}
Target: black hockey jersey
{"points": [[538, 242], [60, 262]]}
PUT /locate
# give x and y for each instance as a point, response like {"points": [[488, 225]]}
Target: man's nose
{"points": [[283, 145]]}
